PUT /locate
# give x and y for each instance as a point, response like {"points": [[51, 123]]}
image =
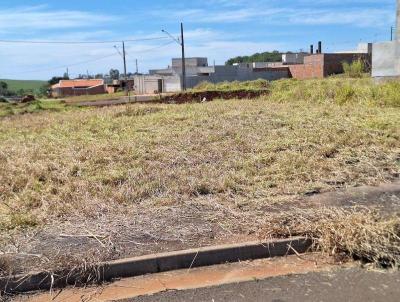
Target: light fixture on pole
{"points": [[181, 42]]}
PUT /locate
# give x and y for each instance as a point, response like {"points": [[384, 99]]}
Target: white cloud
{"points": [[41, 18]]}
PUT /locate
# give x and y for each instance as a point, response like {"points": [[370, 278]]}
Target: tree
{"points": [[56, 80], [43, 91], [4, 88], [274, 56], [3, 85], [114, 74]]}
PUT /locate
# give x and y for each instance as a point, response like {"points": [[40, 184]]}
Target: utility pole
{"points": [[181, 42], [125, 74], [183, 60], [137, 68], [391, 33], [124, 57]]}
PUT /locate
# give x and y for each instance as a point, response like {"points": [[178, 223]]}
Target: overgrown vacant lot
{"points": [[241, 155], [243, 152]]}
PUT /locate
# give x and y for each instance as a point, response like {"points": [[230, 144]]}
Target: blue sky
{"points": [[217, 29]]}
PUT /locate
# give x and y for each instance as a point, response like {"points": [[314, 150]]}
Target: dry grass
{"points": [[8, 109], [360, 233], [338, 90], [229, 86], [245, 153], [93, 98]]}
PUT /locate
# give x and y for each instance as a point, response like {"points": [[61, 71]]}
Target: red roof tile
{"points": [[79, 83]]}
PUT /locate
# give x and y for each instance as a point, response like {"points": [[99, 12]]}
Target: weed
{"points": [[355, 69]]}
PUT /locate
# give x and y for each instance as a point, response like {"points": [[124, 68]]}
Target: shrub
{"points": [[354, 70]]}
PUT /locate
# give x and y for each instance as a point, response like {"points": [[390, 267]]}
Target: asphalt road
{"points": [[344, 285]]}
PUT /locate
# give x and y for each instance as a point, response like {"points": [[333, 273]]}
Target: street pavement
{"points": [[353, 285]]}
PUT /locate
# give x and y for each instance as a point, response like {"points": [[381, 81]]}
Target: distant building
{"points": [[198, 70], [78, 87], [294, 58], [300, 65]]}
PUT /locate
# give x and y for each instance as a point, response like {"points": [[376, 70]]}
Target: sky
{"points": [[217, 29]]}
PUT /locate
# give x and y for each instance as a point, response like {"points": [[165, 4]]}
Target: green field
{"points": [[15, 85]]}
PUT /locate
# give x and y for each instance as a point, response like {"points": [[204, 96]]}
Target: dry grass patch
{"points": [[94, 98], [359, 233], [245, 153]]}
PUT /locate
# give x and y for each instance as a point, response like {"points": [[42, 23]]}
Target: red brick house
{"points": [[78, 87]]}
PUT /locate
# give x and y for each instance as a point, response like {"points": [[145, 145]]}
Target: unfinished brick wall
{"points": [[333, 63], [312, 68], [70, 91], [323, 65]]}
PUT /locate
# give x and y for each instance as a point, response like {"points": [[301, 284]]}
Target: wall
{"points": [[172, 84], [145, 84], [313, 67], [365, 48], [323, 65], [189, 62], [384, 60], [231, 74], [333, 63], [68, 91], [294, 58]]}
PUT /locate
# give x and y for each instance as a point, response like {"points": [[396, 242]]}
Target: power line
{"points": [[67, 65], [151, 49], [80, 42], [92, 60]]}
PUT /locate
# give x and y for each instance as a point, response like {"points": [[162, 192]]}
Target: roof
{"points": [[79, 83]]}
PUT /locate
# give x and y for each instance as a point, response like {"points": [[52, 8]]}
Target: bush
{"points": [[387, 94], [354, 70]]}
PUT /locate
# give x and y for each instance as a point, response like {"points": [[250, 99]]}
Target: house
{"points": [[78, 87]]}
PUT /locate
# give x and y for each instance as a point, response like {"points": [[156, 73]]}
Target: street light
{"points": [[181, 42]]}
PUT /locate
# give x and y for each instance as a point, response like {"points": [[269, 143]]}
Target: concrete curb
{"points": [[157, 263]]}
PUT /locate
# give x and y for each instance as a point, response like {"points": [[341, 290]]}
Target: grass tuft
{"points": [[355, 69], [358, 233]]}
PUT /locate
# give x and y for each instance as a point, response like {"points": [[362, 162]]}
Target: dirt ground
{"points": [[128, 232]]}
